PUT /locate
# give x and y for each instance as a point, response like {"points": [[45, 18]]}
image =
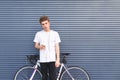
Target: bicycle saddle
{"points": [[65, 54]]}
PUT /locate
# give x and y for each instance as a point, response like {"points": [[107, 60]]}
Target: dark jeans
{"points": [[48, 69]]}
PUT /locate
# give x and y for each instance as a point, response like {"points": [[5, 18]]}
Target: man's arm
{"points": [[57, 48]]}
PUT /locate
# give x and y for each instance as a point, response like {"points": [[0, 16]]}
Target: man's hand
{"points": [[57, 63], [42, 46]]}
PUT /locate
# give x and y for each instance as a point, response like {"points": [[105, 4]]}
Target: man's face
{"points": [[46, 25]]}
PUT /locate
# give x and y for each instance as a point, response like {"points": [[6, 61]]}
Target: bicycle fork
{"points": [[35, 69], [60, 71], [62, 65]]}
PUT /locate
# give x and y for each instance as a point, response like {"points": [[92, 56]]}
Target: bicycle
{"points": [[33, 72]]}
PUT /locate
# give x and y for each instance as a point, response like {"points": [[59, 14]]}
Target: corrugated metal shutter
{"points": [[89, 30]]}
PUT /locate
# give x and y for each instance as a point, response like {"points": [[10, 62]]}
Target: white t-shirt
{"points": [[49, 39]]}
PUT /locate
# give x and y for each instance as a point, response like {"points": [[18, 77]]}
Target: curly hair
{"points": [[44, 18]]}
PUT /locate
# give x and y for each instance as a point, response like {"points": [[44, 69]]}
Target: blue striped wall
{"points": [[89, 30]]}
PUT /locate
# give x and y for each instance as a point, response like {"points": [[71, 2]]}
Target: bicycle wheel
{"points": [[76, 73], [26, 72]]}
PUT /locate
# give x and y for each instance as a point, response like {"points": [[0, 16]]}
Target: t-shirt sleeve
{"points": [[36, 38], [57, 38]]}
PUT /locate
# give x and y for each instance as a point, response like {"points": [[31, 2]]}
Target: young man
{"points": [[47, 41]]}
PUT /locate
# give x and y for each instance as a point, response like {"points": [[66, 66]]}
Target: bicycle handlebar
{"points": [[33, 58]]}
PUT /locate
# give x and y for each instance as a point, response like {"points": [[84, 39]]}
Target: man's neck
{"points": [[47, 30]]}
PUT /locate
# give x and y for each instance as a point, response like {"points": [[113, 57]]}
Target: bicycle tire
{"points": [[76, 72], [25, 73]]}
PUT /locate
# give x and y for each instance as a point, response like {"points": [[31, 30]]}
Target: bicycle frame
{"points": [[60, 71]]}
